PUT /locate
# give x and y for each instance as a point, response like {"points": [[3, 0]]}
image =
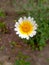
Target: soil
{"points": [[8, 54]]}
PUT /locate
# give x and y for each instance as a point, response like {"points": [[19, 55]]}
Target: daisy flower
{"points": [[26, 27]]}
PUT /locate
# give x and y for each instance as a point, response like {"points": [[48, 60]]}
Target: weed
{"points": [[21, 62], [41, 15], [22, 56], [13, 44], [1, 63], [2, 14], [2, 47], [3, 28]]}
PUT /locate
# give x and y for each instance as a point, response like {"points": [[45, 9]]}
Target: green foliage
{"points": [[3, 28], [47, 59], [2, 25], [2, 47], [1, 63], [21, 59], [2, 14], [21, 62], [13, 44], [41, 15], [22, 56]]}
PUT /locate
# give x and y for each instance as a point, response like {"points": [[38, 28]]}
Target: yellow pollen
{"points": [[26, 27]]}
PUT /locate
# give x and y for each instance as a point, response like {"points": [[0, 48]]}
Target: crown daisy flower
{"points": [[26, 27]]}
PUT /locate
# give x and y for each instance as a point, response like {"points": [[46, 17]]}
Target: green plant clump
{"points": [[1, 63], [41, 15], [13, 44], [21, 62], [22, 56], [2, 14], [3, 28]]}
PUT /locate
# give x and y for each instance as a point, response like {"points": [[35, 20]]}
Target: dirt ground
{"points": [[8, 54]]}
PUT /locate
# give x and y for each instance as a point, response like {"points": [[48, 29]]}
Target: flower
{"points": [[26, 27]]}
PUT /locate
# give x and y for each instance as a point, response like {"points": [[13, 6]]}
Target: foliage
{"points": [[1, 63], [2, 25], [2, 14], [41, 15], [13, 44], [2, 47], [22, 56], [21, 62], [21, 59], [3, 28]]}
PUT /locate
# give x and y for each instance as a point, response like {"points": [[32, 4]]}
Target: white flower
{"points": [[26, 27]]}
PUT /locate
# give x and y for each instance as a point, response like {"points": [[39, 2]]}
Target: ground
{"points": [[8, 53]]}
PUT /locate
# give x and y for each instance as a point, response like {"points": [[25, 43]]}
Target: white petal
{"points": [[21, 36], [16, 24], [20, 20], [29, 17], [35, 27], [17, 32], [27, 38], [24, 36], [31, 35], [25, 18], [34, 22], [34, 32], [32, 18], [15, 29]]}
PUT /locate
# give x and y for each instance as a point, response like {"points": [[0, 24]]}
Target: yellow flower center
{"points": [[26, 27]]}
